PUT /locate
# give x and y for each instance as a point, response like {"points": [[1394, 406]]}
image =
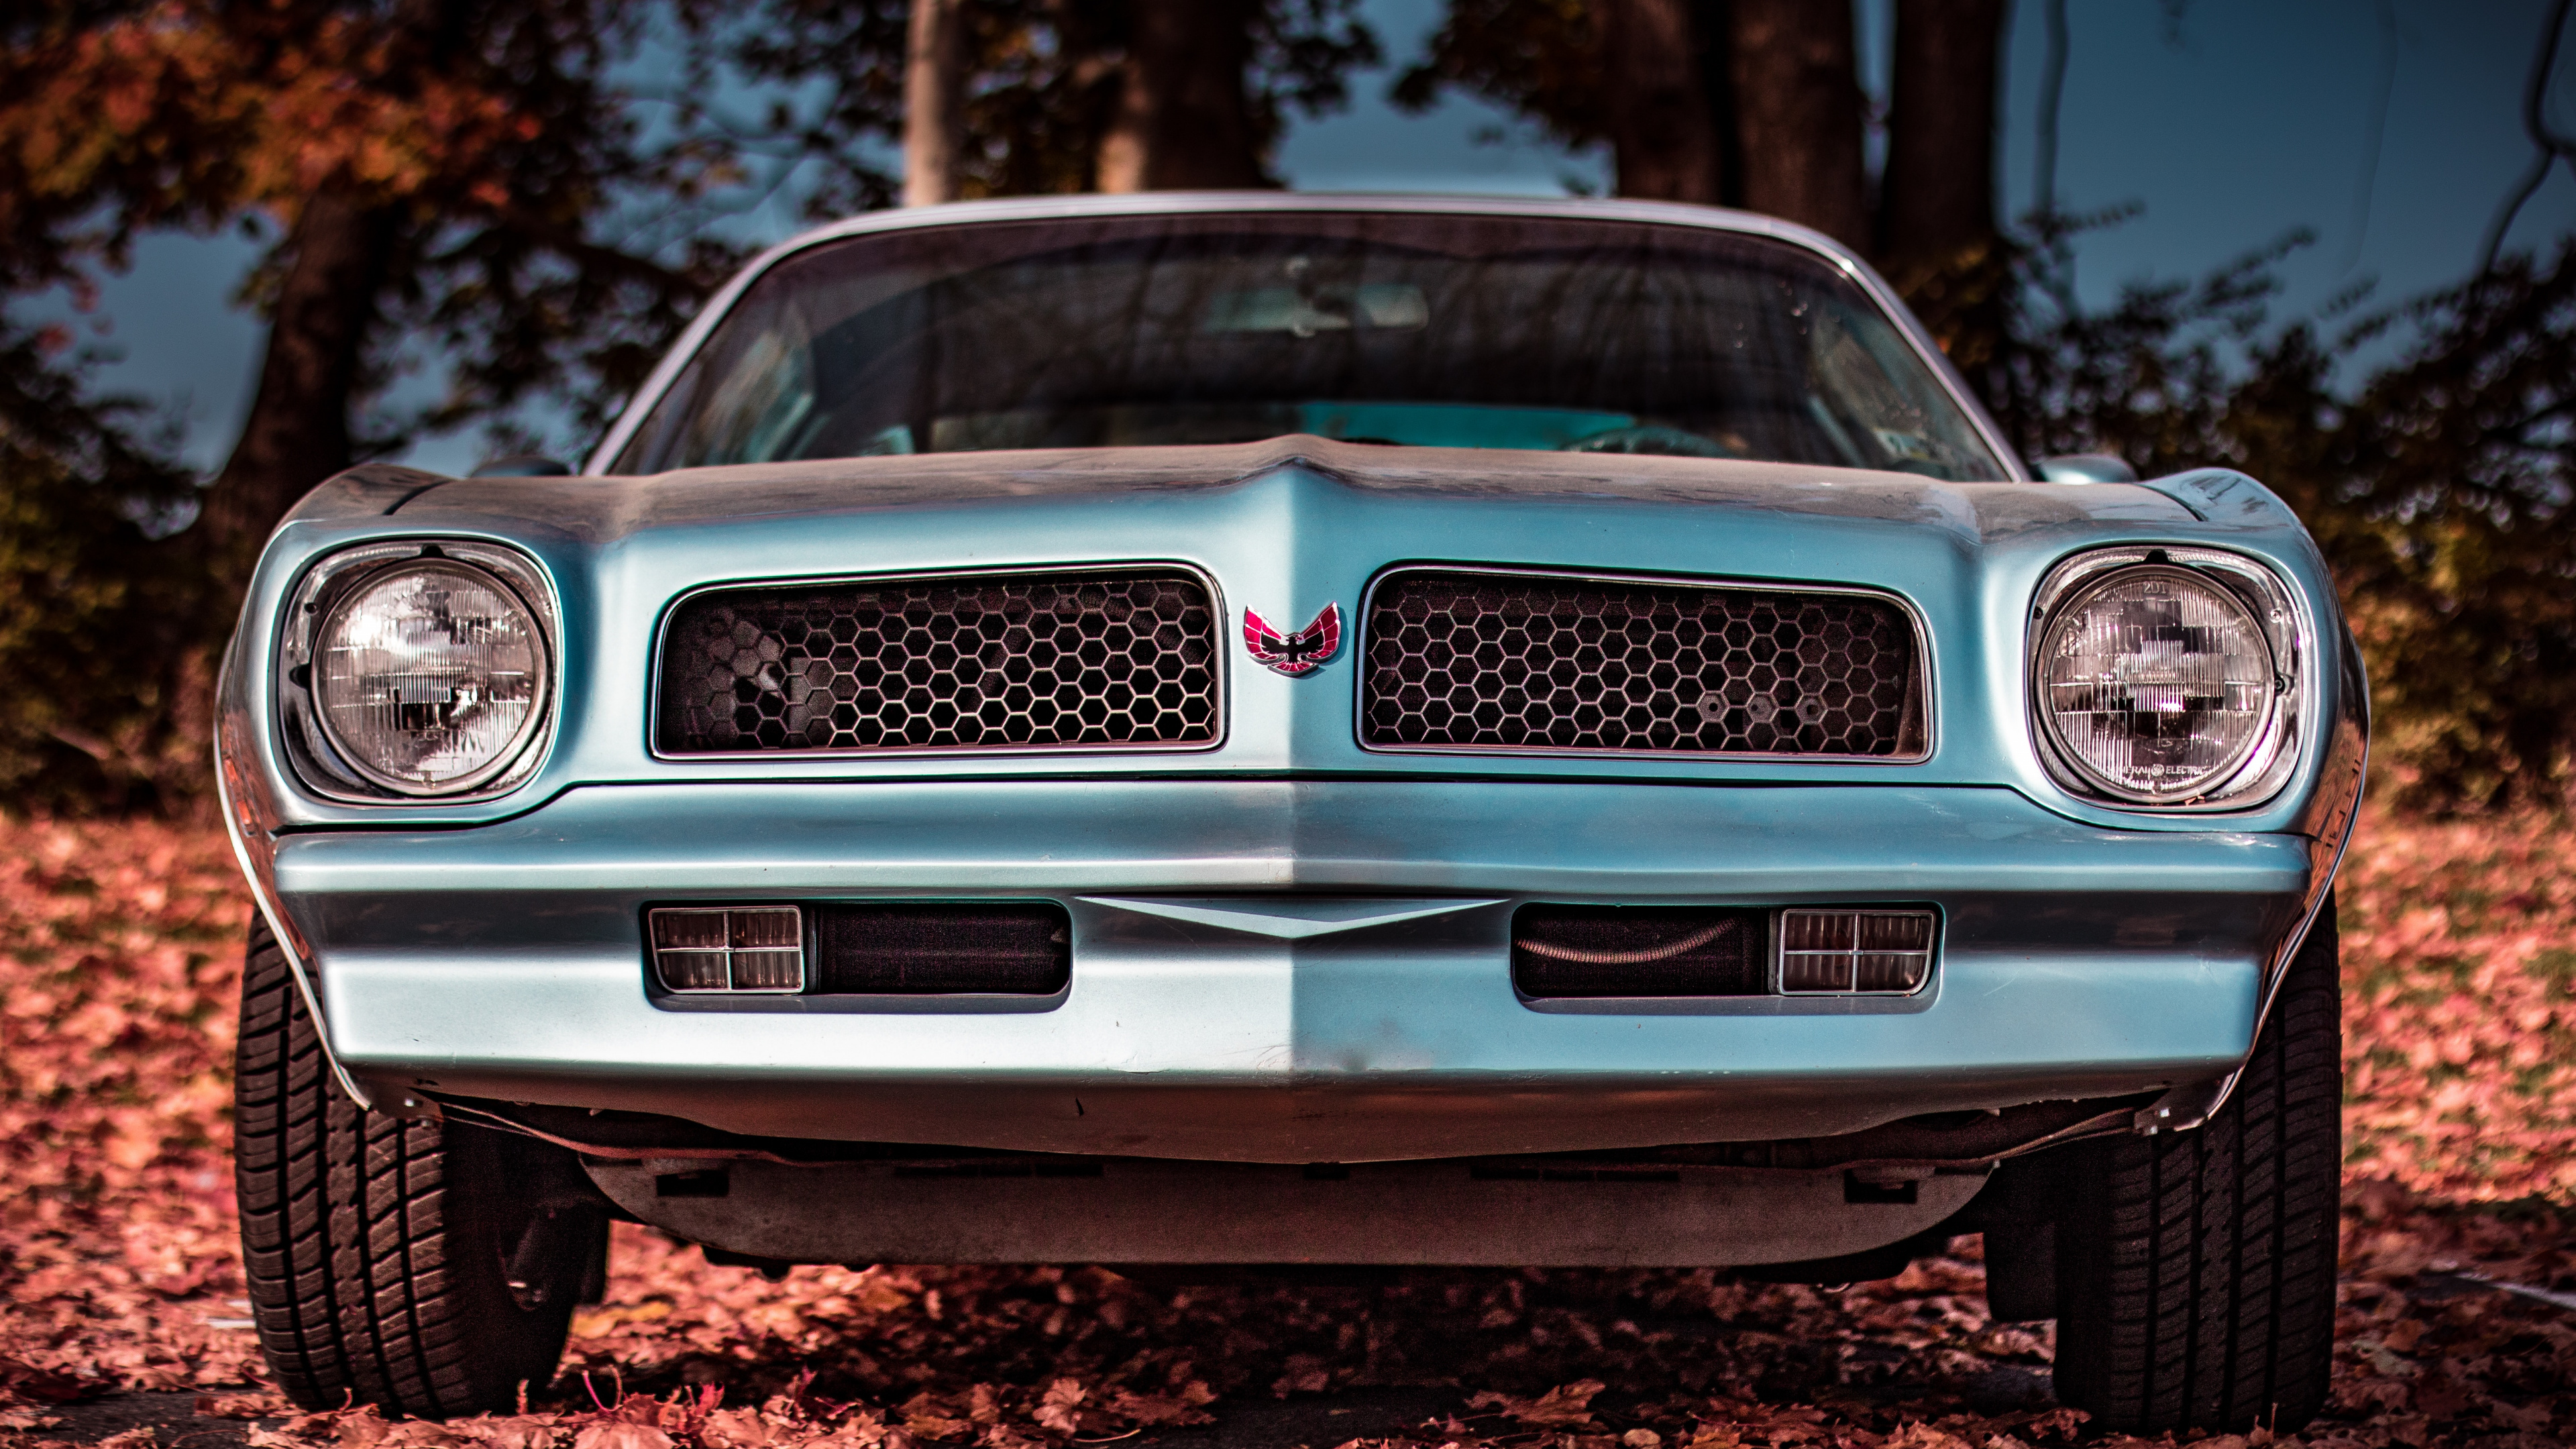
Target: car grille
{"points": [[1471, 660], [1576, 951], [996, 661], [1022, 949]]}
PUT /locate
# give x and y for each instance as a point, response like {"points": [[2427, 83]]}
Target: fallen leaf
{"points": [[620, 1435], [1564, 1406], [1061, 1410], [242, 1406], [46, 1387]]}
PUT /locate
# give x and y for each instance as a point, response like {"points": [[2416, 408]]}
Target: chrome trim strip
{"points": [[1183, 203], [263, 894], [2193, 1104], [2337, 813], [1914, 616], [1219, 662]]}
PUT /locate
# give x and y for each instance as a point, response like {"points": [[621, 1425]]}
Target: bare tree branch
{"points": [[2535, 124]]}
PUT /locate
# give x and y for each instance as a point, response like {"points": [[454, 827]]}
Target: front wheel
{"points": [[2196, 1270], [421, 1267]]}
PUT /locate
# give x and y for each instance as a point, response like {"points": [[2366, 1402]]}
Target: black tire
{"points": [[2196, 1270], [380, 1250]]}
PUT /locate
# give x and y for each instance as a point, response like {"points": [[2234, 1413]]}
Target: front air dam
{"points": [[1447, 1214]]}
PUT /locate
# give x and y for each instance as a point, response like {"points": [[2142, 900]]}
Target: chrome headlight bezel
{"points": [[2279, 612], [306, 735]]}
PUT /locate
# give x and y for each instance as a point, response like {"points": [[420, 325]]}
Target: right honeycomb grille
{"points": [[1469, 660]]}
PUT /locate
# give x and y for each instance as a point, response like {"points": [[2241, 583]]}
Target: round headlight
{"points": [[429, 677], [2156, 683]]}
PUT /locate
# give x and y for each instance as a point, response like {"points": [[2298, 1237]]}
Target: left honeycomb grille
{"points": [[997, 661]]}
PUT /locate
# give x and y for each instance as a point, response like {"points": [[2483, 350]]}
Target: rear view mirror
{"points": [[2086, 468]]}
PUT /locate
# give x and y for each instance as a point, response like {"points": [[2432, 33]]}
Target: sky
{"points": [[2226, 124]]}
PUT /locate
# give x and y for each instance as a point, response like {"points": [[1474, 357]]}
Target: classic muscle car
{"points": [[1213, 732]]}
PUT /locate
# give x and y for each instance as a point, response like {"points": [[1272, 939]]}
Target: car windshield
{"points": [[1372, 327]]}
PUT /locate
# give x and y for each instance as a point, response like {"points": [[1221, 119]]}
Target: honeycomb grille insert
{"points": [[1540, 662], [1006, 661]]}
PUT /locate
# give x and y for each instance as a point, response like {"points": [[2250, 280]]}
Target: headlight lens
{"points": [[429, 677], [2156, 683]]}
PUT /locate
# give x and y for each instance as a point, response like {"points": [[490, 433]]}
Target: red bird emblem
{"points": [[1303, 652]]}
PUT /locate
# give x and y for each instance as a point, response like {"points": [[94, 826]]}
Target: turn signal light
{"points": [[731, 949], [1855, 952]]}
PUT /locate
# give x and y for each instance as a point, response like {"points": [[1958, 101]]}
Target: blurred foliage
{"points": [[105, 630], [1538, 58], [540, 202], [533, 213], [2443, 495], [2439, 484]]}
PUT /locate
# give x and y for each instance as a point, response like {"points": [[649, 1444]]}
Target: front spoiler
{"points": [[1291, 970], [1394, 1214]]}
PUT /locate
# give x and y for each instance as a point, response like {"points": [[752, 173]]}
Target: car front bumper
{"points": [[1288, 970]]}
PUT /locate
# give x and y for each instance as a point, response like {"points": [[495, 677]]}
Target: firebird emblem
{"points": [[1303, 652]]}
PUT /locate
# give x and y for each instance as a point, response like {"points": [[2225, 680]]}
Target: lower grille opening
{"points": [[1019, 949], [1577, 951]]}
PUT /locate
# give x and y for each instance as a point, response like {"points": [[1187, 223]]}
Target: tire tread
{"points": [[351, 1223], [2197, 1269]]}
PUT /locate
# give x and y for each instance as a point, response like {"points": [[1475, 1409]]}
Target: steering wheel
{"points": [[1650, 438]]}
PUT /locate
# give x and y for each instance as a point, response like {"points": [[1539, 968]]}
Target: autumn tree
{"points": [[103, 621], [934, 100], [1937, 202], [1798, 109], [1752, 103], [436, 172], [1183, 119], [1065, 95], [1662, 114], [436, 175]]}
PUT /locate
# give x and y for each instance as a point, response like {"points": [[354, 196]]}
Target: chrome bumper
{"points": [[1290, 971]]}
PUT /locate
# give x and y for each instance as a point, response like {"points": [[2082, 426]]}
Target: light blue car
{"points": [[1214, 732]]}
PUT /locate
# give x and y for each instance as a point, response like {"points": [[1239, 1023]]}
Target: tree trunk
{"points": [[1798, 110], [934, 101], [1183, 120], [1664, 141], [298, 430], [1938, 202]]}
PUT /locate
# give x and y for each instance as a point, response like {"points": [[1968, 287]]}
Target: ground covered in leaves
{"points": [[119, 955]]}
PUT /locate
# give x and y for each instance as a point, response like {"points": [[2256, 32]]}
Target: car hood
{"points": [[599, 510]]}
